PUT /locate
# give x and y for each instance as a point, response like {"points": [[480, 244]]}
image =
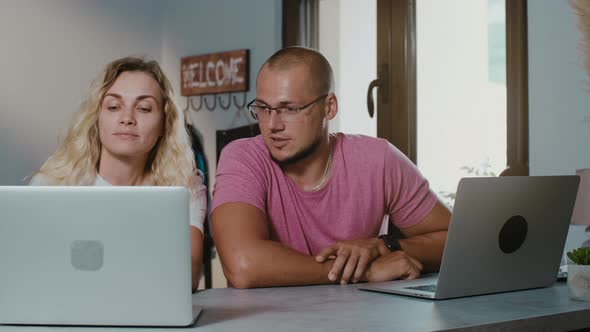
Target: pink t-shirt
{"points": [[369, 179]]}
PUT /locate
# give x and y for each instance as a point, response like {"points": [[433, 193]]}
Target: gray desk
{"points": [[345, 308]]}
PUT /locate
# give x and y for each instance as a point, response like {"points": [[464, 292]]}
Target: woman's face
{"points": [[131, 118]]}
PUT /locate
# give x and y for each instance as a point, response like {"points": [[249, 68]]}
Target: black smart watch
{"points": [[391, 242]]}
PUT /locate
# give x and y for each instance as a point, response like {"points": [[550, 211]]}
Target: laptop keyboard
{"points": [[424, 288]]}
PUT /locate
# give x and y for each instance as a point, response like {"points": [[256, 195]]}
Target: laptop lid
{"points": [[505, 234], [95, 256]]}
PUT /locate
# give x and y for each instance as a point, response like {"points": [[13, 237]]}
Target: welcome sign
{"points": [[214, 73]]}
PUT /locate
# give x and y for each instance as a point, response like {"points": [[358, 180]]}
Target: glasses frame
{"points": [[289, 111]]}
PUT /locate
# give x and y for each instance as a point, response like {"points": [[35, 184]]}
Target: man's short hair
{"points": [[317, 64]]}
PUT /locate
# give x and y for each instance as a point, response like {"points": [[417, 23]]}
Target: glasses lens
{"points": [[262, 114]]}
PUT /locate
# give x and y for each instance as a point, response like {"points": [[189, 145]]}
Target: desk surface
{"points": [[345, 308]]}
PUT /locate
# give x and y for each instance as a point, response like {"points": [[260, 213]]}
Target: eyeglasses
{"points": [[285, 113]]}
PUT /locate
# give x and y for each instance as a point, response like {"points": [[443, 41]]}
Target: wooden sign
{"points": [[214, 73]]}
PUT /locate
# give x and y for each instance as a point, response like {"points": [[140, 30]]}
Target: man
{"points": [[298, 206]]}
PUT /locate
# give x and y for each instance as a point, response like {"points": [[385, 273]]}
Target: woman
{"points": [[129, 133]]}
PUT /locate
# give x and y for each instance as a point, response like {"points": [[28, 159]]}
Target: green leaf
{"points": [[580, 256], [573, 258]]}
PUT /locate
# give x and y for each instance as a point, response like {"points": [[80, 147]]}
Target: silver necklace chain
{"points": [[325, 176]]}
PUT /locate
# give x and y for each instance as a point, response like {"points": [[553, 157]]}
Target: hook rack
{"points": [[190, 102], [217, 100], [228, 105], [240, 105], [196, 109], [210, 108]]}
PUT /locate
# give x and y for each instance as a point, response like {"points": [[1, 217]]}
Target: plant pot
{"points": [[578, 282]]}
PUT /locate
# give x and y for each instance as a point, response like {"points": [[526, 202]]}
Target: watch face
{"points": [[391, 242]]}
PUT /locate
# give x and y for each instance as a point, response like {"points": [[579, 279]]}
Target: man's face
{"points": [[290, 138]]}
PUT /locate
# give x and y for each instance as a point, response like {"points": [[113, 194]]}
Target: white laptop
{"points": [[505, 234], [95, 256]]}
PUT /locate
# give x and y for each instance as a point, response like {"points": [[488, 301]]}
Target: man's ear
{"points": [[331, 106]]}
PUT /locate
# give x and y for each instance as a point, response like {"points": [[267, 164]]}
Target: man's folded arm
{"points": [[425, 241], [251, 259]]}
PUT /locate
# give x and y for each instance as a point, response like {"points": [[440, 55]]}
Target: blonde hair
{"points": [[170, 162]]}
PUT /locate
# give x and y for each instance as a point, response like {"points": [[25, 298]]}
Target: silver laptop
{"points": [[95, 256], [505, 234]]}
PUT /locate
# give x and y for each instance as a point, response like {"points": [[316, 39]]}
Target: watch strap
{"points": [[391, 242]]}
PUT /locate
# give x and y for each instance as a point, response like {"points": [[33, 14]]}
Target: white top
{"points": [[198, 201]]}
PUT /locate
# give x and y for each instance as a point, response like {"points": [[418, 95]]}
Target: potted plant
{"points": [[578, 274]]}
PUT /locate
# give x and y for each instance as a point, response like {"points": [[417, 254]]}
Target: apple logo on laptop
{"points": [[513, 234], [86, 255]]}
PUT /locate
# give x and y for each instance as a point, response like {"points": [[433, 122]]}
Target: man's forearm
{"points": [[250, 259], [427, 248], [267, 263]]}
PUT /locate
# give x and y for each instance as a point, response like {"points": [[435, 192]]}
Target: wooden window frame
{"points": [[396, 68], [397, 46]]}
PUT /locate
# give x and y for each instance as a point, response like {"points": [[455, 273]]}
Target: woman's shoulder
{"points": [[45, 179], [196, 185], [40, 179]]}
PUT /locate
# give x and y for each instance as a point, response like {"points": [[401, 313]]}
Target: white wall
{"points": [[207, 26], [559, 102], [51, 50]]}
